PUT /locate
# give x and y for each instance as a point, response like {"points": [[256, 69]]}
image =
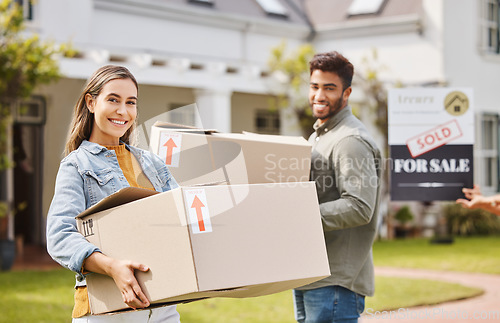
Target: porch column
{"points": [[215, 109]]}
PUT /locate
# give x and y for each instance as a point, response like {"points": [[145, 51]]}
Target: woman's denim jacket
{"points": [[87, 175]]}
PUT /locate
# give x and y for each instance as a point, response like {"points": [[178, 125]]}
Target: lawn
{"points": [[476, 254], [47, 296], [393, 293]]}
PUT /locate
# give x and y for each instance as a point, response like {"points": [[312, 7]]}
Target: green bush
{"points": [[467, 222], [404, 214]]}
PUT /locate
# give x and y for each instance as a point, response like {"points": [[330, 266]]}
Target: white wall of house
{"points": [[409, 47], [185, 54], [468, 63], [179, 55]]}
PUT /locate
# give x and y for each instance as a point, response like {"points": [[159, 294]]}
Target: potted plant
{"points": [[404, 215], [7, 246]]}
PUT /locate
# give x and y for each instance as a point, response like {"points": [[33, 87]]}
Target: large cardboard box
{"points": [[197, 156], [208, 241]]}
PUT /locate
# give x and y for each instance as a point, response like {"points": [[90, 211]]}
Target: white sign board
{"points": [[431, 137]]}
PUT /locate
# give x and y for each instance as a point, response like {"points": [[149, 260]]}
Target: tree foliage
{"points": [[25, 62], [292, 71]]}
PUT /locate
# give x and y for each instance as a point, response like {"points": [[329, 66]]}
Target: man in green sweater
{"points": [[345, 165]]}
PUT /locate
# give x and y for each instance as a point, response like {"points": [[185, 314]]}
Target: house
{"points": [[215, 52]]}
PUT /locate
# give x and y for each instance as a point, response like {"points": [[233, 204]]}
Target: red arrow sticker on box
{"points": [[434, 138], [170, 147], [197, 208]]}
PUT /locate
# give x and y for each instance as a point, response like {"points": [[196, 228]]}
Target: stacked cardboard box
{"points": [[257, 234], [197, 156]]}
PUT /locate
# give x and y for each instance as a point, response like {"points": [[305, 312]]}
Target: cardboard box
{"points": [[210, 241], [197, 156]]}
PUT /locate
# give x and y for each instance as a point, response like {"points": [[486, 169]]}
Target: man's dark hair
{"points": [[333, 62]]}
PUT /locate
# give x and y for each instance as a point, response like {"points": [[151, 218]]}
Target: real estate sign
{"points": [[431, 138]]}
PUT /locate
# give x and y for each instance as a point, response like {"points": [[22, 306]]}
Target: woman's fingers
{"points": [[124, 276], [134, 297], [141, 296]]}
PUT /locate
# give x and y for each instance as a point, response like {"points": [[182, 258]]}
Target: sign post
{"points": [[431, 138]]}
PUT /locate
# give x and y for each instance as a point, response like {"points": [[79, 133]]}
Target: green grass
{"points": [[392, 293], [36, 296], [477, 254], [47, 296], [31, 296]]}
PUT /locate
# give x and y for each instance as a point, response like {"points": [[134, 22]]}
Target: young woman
{"points": [[99, 161]]}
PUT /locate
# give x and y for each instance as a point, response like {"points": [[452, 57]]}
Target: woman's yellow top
{"points": [[136, 178]]}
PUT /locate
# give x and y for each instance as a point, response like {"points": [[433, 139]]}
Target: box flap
{"points": [[182, 128], [125, 195], [288, 140]]}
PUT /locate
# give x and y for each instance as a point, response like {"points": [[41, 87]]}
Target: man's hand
{"points": [[473, 198], [471, 193]]}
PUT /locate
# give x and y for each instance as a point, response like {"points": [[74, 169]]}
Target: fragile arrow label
{"points": [[197, 209], [170, 147]]}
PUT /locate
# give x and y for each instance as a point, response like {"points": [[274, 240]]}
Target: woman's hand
{"points": [[122, 272]]}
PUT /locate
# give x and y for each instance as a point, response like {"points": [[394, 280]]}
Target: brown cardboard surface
{"points": [[151, 231], [203, 157], [249, 245], [259, 221]]}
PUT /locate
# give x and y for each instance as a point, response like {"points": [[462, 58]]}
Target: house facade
{"points": [[214, 53]]}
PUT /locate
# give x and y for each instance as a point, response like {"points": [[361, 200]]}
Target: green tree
{"points": [[292, 71], [25, 62]]}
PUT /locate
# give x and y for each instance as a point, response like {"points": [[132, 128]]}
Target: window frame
{"points": [[490, 26], [271, 116], [488, 154]]}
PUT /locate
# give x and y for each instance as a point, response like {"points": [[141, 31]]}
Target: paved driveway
{"points": [[483, 308]]}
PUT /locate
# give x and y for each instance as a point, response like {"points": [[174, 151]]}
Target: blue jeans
{"points": [[330, 304]]}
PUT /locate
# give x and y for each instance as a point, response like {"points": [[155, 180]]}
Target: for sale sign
{"points": [[431, 137]]}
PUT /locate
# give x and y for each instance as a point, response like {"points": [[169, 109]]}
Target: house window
{"points": [[273, 7], [490, 26], [267, 122], [27, 7], [488, 151], [365, 7], [30, 111]]}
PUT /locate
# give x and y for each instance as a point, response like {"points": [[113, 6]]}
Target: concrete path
{"points": [[483, 308]]}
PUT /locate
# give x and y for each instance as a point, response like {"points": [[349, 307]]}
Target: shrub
{"points": [[467, 222]]}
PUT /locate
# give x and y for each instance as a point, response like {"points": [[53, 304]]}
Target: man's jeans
{"points": [[330, 304]]}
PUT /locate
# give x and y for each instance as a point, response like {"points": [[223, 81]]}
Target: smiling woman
{"points": [[100, 162], [114, 109]]}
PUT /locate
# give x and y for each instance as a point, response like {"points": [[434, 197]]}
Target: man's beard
{"points": [[337, 107]]}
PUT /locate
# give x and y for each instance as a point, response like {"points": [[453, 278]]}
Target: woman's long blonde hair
{"points": [[83, 120]]}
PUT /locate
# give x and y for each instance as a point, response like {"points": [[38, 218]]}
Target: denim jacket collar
{"points": [[92, 147], [95, 148]]}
